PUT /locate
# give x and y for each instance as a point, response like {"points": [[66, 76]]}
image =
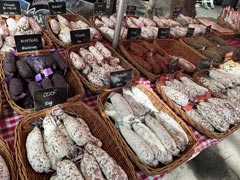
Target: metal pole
{"points": [[120, 13]]}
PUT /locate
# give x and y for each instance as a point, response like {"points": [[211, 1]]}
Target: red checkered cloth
{"points": [[10, 119]]}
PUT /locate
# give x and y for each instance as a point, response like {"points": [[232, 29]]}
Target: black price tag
{"points": [[110, 6], [131, 10], [190, 32], [100, 8], [134, 33], [159, 11], [163, 33], [173, 66], [91, 1], [121, 78], [57, 7], [10, 7], [50, 97], [204, 64], [176, 12], [80, 36], [208, 29], [28, 42]]}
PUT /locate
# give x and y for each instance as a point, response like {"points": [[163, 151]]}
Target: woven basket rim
{"points": [[21, 110], [143, 167], [81, 77], [67, 16], [95, 123], [7, 155], [188, 119]]}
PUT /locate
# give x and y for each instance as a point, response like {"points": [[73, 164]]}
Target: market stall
{"points": [[168, 91]]}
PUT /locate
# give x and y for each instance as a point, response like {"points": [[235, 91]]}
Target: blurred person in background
{"points": [[187, 7]]}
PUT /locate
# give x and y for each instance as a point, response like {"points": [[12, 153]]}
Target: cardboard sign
{"points": [[173, 66], [131, 10], [190, 32], [159, 11], [208, 29], [80, 36], [163, 33], [57, 7], [204, 64], [50, 97], [134, 33], [28, 42], [176, 12], [10, 7], [100, 8], [121, 78]]}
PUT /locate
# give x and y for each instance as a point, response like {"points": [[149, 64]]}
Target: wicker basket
{"points": [[176, 48], [69, 17], [215, 64], [161, 106], [225, 24], [97, 127], [92, 87], [106, 36], [77, 88], [189, 120], [47, 40], [150, 76], [6, 153]]}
